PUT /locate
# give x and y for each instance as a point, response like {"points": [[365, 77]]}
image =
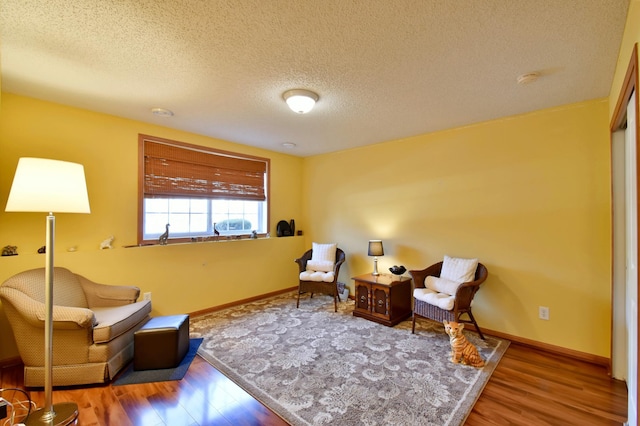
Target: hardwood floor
{"points": [[529, 387]]}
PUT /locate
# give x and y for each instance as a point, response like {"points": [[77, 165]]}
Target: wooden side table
{"points": [[384, 298]]}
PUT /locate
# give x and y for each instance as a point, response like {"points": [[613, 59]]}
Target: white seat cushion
{"points": [[441, 300], [317, 276], [459, 270], [117, 320]]}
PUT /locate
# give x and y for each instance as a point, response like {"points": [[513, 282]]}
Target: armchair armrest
{"points": [[103, 295], [420, 275], [35, 312], [466, 291], [336, 266], [71, 318], [302, 261]]}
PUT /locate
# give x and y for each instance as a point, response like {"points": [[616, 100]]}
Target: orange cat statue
{"points": [[462, 351]]}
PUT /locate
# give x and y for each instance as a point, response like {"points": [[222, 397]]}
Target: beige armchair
{"points": [[93, 326]]}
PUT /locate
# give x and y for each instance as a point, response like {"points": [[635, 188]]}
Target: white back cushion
{"points": [[324, 252], [459, 270]]}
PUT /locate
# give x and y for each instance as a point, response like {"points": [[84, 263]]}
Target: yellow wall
{"points": [[181, 277], [527, 195]]}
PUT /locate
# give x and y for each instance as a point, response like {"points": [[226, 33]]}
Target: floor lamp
{"points": [[43, 185]]}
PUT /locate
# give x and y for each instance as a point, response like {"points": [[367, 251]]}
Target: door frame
{"points": [[618, 121]]}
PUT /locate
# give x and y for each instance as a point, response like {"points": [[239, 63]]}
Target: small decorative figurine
{"points": [[10, 251], [106, 244], [164, 237], [254, 235], [216, 232], [462, 351], [42, 250]]}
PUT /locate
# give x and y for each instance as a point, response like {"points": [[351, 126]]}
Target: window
{"points": [[197, 189]]}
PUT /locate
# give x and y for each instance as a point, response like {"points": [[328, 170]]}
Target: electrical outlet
{"points": [[543, 312], [147, 296]]}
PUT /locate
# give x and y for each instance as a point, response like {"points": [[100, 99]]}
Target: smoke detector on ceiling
{"points": [[527, 78], [162, 112]]}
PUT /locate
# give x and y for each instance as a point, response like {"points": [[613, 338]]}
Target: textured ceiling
{"points": [[384, 69]]}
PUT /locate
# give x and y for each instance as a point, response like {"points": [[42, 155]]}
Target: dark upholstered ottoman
{"points": [[161, 343]]}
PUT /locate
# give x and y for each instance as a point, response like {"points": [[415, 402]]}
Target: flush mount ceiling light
{"points": [[161, 112], [300, 100], [528, 78], [288, 144]]}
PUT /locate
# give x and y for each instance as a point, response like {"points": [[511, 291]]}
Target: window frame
{"points": [[142, 138]]}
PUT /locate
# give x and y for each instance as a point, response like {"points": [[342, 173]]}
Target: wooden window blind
{"points": [[172, 170]]}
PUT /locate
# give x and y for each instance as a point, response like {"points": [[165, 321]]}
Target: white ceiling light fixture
{"points": [[289, 145], [300, 100]]}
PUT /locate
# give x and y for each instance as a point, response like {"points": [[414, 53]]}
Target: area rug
{"points": [[313, 366], [130, 376]]}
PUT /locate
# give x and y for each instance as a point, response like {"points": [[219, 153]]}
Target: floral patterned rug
{"points": [[313, 366]]}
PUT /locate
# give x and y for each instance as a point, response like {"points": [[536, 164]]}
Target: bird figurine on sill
{"points": [[216, 232], [107, 244], [164, 237], [398, 270]]}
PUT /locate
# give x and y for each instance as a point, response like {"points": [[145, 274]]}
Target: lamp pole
{"points": [[64, 413]]}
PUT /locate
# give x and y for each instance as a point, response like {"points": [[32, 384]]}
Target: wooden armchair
{"points": [[313, 283], [461, 300]]}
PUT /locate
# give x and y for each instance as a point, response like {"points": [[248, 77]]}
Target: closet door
{"points": [[631, 202]]}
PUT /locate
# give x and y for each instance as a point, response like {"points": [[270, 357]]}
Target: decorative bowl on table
{"points": [[398, 270]]}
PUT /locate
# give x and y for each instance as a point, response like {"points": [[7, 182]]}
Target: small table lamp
{"points": [[43, 185], [375, 250]]}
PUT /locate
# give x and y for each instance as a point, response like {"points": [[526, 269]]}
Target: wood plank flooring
{"points": [[529, 387]]}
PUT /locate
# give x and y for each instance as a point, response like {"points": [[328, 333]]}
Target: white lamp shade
{"points": [[300, 100], [43, 185]]}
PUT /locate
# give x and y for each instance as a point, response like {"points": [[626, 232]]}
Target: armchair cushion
{"points": [[442, 285], [115, 321], [459, 270], [441, 300], [320, 265], [318, 276], [324, 252]]}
